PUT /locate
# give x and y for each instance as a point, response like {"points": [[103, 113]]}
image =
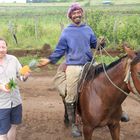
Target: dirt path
{"points": [[43, 113]]}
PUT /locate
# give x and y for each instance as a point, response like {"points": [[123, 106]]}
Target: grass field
{"points": [[83, 2], [36, 24]]}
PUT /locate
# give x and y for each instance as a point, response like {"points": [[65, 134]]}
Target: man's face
{"points": [[76, 16], [3, 49]]}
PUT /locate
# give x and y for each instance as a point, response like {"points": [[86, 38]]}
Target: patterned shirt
{"points": [[9, 70]]}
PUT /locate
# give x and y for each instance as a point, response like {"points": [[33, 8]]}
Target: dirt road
{"points": [[43, 113]]}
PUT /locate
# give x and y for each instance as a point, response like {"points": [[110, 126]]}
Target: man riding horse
{"points": [[75, 44]]}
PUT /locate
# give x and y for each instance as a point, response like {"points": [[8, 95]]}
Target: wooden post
{"points": [[36, 27], [12, 31]]}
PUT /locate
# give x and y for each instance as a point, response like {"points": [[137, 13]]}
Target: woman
{"points": [[10, 99]]}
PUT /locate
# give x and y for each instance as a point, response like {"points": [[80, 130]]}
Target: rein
{"points": [[127, 79], [91, 63]]}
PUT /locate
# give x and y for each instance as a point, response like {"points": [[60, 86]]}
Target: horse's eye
{"points": [[139, 75]]}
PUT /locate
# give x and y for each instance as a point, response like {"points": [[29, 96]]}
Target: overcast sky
{"points": [[7, 1]]}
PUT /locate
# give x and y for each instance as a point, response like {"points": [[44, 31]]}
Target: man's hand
{"points": [[43, 62], [102, 41]]}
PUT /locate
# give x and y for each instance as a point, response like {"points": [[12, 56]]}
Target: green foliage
{"points": [[26, 60], [116, 28], [105, 59], [36, 25], [12, 84]]}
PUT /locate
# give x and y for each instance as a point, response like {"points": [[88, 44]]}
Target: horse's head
{"points": [[133, 77]]}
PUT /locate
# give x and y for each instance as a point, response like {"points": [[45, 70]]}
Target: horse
{"points": [[99, 102]]}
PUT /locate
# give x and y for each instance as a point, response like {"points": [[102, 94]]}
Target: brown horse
{"points": [[100, 101]]}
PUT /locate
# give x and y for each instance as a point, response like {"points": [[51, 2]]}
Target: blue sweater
{"points": [[75, 43]]}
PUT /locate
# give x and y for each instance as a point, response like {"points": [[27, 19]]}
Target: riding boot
{"points": [[124, 117], [71, 107]]}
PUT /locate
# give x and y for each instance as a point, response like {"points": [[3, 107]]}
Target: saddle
{"points": [[88, 73]]}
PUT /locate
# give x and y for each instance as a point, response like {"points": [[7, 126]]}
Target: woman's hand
{"points": [[4, 89], [26, 75], [43, 62]]}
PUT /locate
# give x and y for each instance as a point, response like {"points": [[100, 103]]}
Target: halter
{"points": [[129, 80]]}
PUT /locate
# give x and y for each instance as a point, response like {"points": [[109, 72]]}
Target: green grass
{"points": [[105, 59], [22, 19], [37, 24], [27, 59]]}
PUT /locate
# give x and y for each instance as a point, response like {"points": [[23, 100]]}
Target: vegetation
{"points": [[116, 28], [33, 25], [26, 60], [11, 85], [106, 59], [33, 28]]}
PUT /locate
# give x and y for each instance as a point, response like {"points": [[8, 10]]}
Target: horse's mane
{"points": [[107, 67], [93, 72]]}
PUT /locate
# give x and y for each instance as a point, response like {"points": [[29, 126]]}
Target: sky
{"points": [[11, 1]]}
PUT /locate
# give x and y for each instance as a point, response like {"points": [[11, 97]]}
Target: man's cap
{"points": [[73, 7]]}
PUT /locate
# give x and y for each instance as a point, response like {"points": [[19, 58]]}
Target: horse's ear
{"points": [[131, 53]]}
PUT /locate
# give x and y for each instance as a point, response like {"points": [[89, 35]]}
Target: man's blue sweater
{"points": [[75, 43]]}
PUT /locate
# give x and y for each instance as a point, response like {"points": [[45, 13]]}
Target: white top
{"points": [[9, 70]]}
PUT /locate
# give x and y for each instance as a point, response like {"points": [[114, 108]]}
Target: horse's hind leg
{"points": [[115, 130], [87, 130]]}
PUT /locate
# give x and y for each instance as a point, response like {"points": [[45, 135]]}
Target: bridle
{"points": [[129, 80]]}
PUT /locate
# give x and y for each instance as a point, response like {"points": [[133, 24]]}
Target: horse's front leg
{"points": [[115, 130], [66, 119], [87, 131]]}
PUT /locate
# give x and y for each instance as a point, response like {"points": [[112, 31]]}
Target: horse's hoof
{"points": [[75, 131], [124, 117]]}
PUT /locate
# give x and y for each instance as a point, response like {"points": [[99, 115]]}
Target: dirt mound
{"points": [[44, 51]]}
